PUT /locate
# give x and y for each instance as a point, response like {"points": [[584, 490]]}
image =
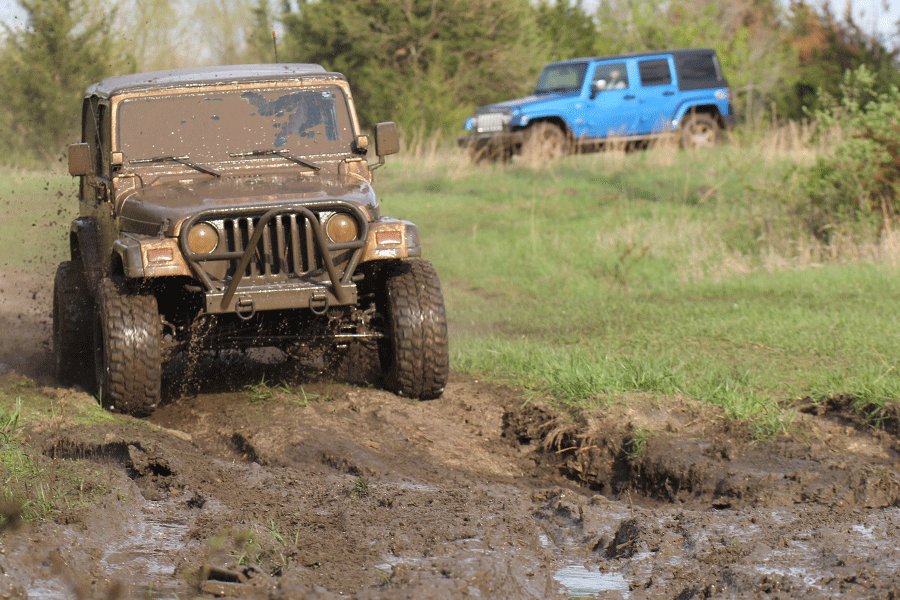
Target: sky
{"points": [[871, 15]]}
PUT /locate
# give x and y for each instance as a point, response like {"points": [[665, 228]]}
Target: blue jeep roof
{"points": [[680, 51]]}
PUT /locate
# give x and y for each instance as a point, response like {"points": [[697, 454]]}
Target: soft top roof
{"points": [[203, 76]]}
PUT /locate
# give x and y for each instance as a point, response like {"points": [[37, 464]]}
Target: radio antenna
{"points": [[275, 46]]}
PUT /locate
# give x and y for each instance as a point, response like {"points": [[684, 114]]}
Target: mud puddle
{"points": [[309, 489]]}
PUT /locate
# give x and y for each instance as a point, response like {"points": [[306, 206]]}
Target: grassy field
{"points": [[37, 208], [668, 273]]}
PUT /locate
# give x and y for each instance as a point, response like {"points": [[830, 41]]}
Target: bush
{"points": [[859, 178]]}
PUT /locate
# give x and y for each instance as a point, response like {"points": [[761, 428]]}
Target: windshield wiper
{"points": [[181, 160], [282, 153]]}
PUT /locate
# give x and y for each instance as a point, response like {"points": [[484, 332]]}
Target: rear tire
{"points": [[415, 353], [128, 349], [72, 352], [700, 131]]}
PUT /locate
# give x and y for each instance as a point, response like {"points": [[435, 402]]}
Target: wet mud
{"points": [[260, 479]]}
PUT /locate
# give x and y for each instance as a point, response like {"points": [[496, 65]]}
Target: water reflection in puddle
{"points": [[581, 582], [141, 556]]}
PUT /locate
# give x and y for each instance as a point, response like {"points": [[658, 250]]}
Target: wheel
{"points": [[127, 349], [544, 142], [490, 153], [415, 354], [72, 352], [700, 131]]}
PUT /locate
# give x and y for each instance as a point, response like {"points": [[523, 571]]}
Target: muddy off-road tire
{"points": [[415, 354], [127, 349], [73, 353], [544, 142], [490, 153], [700, 131]]}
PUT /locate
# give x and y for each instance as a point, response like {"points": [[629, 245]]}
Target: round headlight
{"points": [[341, 228], [203, 238]]}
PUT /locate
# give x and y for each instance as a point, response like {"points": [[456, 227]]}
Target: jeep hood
{"points": [[527, 103], [144, 210]]}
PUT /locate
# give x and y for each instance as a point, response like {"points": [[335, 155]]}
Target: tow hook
{"points": [[245, 309], [318, 303]]}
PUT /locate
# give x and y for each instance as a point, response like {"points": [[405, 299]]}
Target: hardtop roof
{"points": [[203, 76], [680, 51]]}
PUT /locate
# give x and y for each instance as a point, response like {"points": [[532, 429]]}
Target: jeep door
{"points": [[612, 105], [657, 95]]}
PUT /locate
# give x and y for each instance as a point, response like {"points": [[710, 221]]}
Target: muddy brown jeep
{"points": [[230, 208]]}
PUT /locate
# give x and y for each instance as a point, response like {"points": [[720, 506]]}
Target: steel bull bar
{"points": [[287, 247]]}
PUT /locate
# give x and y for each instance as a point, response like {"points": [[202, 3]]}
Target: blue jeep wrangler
{"points": [[584, 103]]}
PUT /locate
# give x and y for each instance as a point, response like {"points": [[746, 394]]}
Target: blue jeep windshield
{"points": [[561, 78], [207, 126]]}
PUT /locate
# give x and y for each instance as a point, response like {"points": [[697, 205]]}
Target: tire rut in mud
{"points": [[715, 465]]}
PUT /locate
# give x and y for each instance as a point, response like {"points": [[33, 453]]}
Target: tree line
{"points": [[425, 64]]}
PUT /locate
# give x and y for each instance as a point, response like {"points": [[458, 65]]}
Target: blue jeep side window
{"points": [[610, 77], [654, 72]]}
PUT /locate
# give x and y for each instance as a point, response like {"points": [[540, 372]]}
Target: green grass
{"points": [[37, 209], [675, 273], [34, 487], [679, 274]]}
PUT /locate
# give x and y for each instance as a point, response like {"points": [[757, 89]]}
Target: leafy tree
{"points": [[827, 48], [568, 30], [424, 64], [223, 27], [155, 33], [65, 46], [259, 37], [860, 177]]}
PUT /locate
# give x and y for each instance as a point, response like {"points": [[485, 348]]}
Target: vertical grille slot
{"points": [[285, 250]]}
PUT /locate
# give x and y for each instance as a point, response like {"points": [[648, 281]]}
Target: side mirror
{"points": [[80, 160], [387, 141]]}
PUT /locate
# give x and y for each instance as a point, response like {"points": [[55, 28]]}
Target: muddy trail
{"points": [[255, 479]]}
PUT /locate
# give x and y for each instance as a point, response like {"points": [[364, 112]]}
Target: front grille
{"points": [[290, 247], [285, 250], [490, 122]]}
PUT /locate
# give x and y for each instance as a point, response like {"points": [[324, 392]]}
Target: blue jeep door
{"points": [[656, 94], [611, 105]]}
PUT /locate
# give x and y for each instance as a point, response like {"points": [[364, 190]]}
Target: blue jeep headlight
{"points": [[470, 124]]}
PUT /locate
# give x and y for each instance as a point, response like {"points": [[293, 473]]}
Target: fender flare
{"points": [[84, 240]]}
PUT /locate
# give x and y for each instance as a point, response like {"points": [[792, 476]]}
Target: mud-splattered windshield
{"points": [[209, 126]]}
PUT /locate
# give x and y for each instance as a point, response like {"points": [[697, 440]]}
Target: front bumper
{"points": [[500, 139]]}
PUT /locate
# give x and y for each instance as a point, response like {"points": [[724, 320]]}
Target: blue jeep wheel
{"points": [[700, 130]]}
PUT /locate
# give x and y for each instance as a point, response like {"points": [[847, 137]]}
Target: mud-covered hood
{"points": [[144, 210]]}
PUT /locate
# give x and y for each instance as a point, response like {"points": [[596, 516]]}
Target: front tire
{"points": [[544, 142], [415, 353], [128, 349], [72, 352]]}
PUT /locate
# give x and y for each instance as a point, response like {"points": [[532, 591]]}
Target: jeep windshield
{"points": [[218, 125], [561, 78]]}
